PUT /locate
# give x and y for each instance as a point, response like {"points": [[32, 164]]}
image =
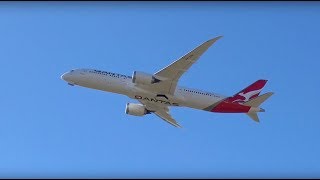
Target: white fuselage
{"points": [[122, 84]]}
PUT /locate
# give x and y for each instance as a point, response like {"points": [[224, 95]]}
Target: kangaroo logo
{"points": [[246, 96]]}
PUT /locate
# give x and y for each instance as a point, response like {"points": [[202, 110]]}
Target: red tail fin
{"points": [[248, 93]]}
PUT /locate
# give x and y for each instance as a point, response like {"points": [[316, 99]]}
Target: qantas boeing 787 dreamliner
{"points": [[157, 92]]}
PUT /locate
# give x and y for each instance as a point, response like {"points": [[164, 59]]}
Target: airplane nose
{"points": [[66, 76], [63, 76]]}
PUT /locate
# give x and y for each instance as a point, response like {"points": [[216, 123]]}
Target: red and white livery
{"points": [[159, 91]]}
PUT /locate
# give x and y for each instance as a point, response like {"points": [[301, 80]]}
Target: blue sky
{"points": [[50, 129]]}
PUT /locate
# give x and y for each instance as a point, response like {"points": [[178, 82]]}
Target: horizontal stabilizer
{"points": [[258, 100], [253, 116]]}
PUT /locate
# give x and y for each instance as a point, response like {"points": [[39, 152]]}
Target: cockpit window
{"points": [[72, 70]]}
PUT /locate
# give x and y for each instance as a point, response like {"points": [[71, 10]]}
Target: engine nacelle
{"points": [[143, 78], [136, 109]]}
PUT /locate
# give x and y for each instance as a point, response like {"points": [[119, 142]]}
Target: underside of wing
{"points": [[178, 67], [161, 111], [171, 74], [167, 117], [168, 77]]}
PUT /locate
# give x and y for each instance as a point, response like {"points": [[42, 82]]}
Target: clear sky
{"points": [[50, 129]]}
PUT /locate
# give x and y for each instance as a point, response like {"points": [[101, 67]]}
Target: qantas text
{"points": [[156, 100]]}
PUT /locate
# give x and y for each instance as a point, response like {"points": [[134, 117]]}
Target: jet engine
{"points": [[143, 78], [136, 109]]}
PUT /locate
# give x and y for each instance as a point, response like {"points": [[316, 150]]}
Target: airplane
{"points": [[159, 91]]}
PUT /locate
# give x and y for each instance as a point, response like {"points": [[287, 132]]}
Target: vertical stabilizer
{"points": [[248, 93]]}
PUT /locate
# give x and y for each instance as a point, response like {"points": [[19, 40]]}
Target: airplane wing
{"points": [[161, 111], [171, 74], [167, 117]]}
